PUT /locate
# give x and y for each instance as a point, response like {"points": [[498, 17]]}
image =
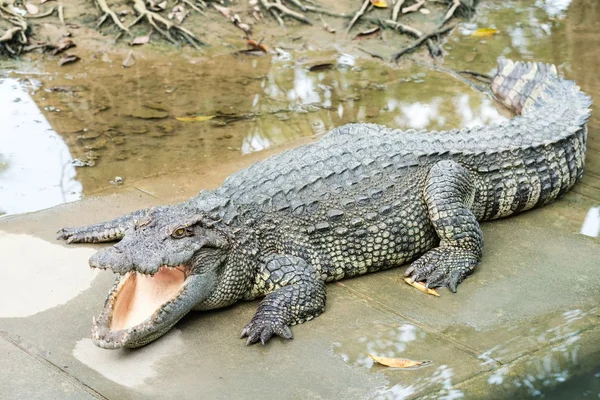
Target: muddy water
{"points": [[177, 116]]}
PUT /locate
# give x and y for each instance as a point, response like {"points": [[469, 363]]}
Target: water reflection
{"points": [[548, 367], [35, 162], [554, 8], [591, 223], [403, 341]]}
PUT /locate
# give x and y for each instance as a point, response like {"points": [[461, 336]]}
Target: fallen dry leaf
{"points": [[421, 287], [368, 32], [63, 45], [68, 59], [379, 3], [197, 118], [254, 45], [483, 32], [223, 10], [400, 362], [129, 61], [424, 11], [32, 9], [140, 40]]}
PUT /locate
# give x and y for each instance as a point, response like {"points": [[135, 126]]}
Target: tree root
{"points": [[396, 9], [414, 7], [358, 14], [420, 41], [278, 7], [450, 13], [16, 36], [154, 19], [109, 13]]}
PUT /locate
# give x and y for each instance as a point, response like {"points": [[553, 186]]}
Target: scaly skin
{"points": [[364, 198]]}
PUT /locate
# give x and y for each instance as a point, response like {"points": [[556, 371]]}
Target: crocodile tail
{"points": [[519, 85]]}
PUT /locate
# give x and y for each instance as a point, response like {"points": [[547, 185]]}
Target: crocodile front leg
{"points": [[449, 193], [104, 231], [296, 294]]}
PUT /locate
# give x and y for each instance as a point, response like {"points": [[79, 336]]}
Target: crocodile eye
{"points": [[179, 233]]}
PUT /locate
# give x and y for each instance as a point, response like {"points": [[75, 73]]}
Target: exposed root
{"points": [[402, 28], [358, 14], [299, 5], [396, 9], [10, 34], [278, 6], [414, 7], [155, 19], [450, 13], [109, 13], [14, 39], [326, 12], [420, 41], [194, 7]]}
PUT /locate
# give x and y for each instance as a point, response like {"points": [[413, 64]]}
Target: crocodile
{"points": [[363, 198]]}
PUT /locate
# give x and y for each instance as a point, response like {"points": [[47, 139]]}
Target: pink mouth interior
{"points": [[141, 295]]}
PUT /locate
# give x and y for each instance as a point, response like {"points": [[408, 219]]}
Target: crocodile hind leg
{"points": [[104, 231], [296, 294], [449, 194]]}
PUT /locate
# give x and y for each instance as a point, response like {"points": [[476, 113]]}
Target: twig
{"points": [[457, 75], [396, 9], [413, 8], [476, 74], [369, 53], [358, 14], [420, 41], [450, 13], [323, 11], [61, 15], [326, 12], [402, 28]]}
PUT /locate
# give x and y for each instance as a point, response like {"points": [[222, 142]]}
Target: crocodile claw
{"points": [[263, 329], [443, 266]]}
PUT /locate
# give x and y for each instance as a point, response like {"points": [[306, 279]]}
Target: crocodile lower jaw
{"points": [[137, 306]]}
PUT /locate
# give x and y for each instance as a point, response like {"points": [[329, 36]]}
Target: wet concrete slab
{"points": [[25, 377], [507, 312]]}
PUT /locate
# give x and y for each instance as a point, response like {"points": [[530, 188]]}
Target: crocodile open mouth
{"points": [[138, 304]]}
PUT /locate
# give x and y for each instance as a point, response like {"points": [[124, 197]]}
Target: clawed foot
{"points": [[68, 234], [263, 327], [443, 266]]}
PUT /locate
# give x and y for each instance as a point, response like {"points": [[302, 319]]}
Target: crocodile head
{"points": [[170, 262]]}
